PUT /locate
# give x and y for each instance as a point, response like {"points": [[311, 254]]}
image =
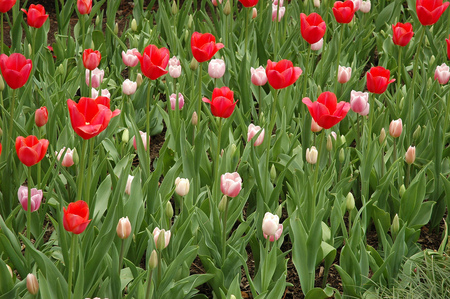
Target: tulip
{"points": [[129, 87], [317, 46], [104, 93], [227, 8], [128, 185], [134, 25], [123, 228], [166, 236], [214, 2], [382, 136], [350, 201], [174, 67], [317, 3], [259, 77], [270, 224], [129, 58], [275, 2], [248, 3], [169, 210], [410, 155], [173, 101], [36, 16], [254, 13], [32, 284], [36, 198], [30, 150], [41, 116], [230, 184], [356, 4], [68, 157], [343, 11], [344, 74], [84, 6], [96, 77], [311, 155], [181, 186], [10, 270], [91, 59], [378, 79], [326, 111], [75, 218], [15, 69], [252, 131], [365, 6], [277, 234], [395, 128], [154, 61], [280, 11], [6, 5], [139, 79], [442, 73], [216, 68], [282, 74], [448, 47], [402, 33], [315, 127], [429, 11], [395, 225], [0, 148], [204, 46], [222, 102], [144, 138], [153, 260], [194, 119], [359, 102], [312, 27]]}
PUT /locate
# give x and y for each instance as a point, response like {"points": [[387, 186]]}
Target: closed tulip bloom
{"points": [[311, 155], [91, 59], [76, 217], [154, 61], [378, 79], [36, 198], [281, 12], [84, 6], [173, 101], [181, 186], [96, 77], [230, 184], [6, 5], [359, 102], [252, 132], [128, 185], [395, 128], [326, 111], [104, 93], [32, 284], [248, 3], [36, 16], [317, 46], [312, 27], [204, 46], [343, 11], [277, 235], [410, 155], [402, 33], [282, 74], [259, 77], [222, 102], [270, 224], [356, 4], [344, 74], [254, 13], [15, 69], [429, 11], [365, 6], [215, 3], [156, 234], [442, 73], [30, 150], [68, 157], [216, 68], [129, 87], [317, 3], [123, 229], [315, 127], [144, 138], [174, 67], [41, 116], [275, 2], [129, 58], [448, 47]]}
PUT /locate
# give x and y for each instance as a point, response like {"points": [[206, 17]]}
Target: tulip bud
{"points": [[123, 228], [75, 157], [417, 133], [344, 74], [182, 186], [194, 119], [273, 174], [232, 297], [139, 79], [317, 46], [116, 29], [432, 60], [343, 139], [329, 143], [227, 8], [30, 49], [254, 13], [315, 127], [402, 101], [190, 22], [2, 83], [128, 185], [270, 224], [186, 35], [97, 20], [350, 201], [174, 8], [153, 260], [341, 155], [32, 284], [317, 3], [311, 155], [41, 116], [169, 210], [395, 128], [134, 25], [10, 270], [223, 204], [61, 70], [194, 64], [402, 190], [410, 155], [395, 225], [233, 149], [161, 238], [125, 136], [382, 136]]}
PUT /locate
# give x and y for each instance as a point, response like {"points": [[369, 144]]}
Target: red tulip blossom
{"points": [[378, 79], [154, 61], [84, 6], [222, 102], [249, 3], [343, 11], [282, 74], [15, 69], [90, 117], [312, 27], [41, 116], [204, 46], [75, 218], [0, 148], [448, 47], [402, 33], [91, 59], [429, 11], [36, 16], [326, 111], [6, 5], [30, 150]]}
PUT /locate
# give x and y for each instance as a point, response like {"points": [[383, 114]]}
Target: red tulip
{"points": [[343, 11], [0, 148], [75, 218], [154, 61], [282, 74], [249, 3], [222, 102], [448, 47], [41, 116], [15, 69], [91, 59], [36, 16], [378, 79], [84, 6], [312, 27], [326, 111], [204, 46], [30, 150], [90, 117], [429, 11], [6, 5], [402, 33]]}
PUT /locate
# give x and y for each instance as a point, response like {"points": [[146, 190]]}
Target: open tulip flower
{"points": [[15, 69], [76, 217], [312, 27], [129, 57], [36, 16], [230, 184], [249, 3], [30, 150], [204, 46], [326, 111], [36, 198], [429, 11], [442, 73], [84, 6], [91, 59], [282, 74], [154, 61], [222, 102], [402, 33], [6, 5], [343, 11], [378, 79]]}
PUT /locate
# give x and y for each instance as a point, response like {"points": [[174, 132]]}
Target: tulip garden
{"points": [[224, 149]]}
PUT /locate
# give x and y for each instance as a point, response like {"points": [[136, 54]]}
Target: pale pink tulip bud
{"points": [[68, 157], [275, 2], [123, 228], [36, 198], [165, 238], [104, 93], [359, 102], [216, 68], [173, 101], [129, 87], [153, 260], [317, 3], [96, 77], [32, 284], [317, 46], [410, 155], [181, 186], [41, 116], [382, 136], [254, 13], [194, 119], [344, 74], [230, 184], [395, 128], [311, 155], [129, 58], [356, 4], [128, 185], [281, 12], [215, 3], [365, 6], [315, 127], [333, 133], [442, 73], [174, 67], [139, 79], [270, 224], [259, 77], [252, 131], [144, 138], [277, 233]]}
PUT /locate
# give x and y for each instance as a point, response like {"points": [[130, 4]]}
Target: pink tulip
{"points": [[129, 58], [277, 234], [104, 93], [123, 228], [129, 87], [356, 4], [215, 3], [96, 77], [410, 155], [166, 234], [275, 2], [344, 74], [317, 46], [359, 102], [252, 131], [128, 185], [174, 67], [395, 128], [281, 12], [36, 198], [144, 138], [442, 73], [32, 284], [365, 6], [230, 184], [173, 101], [270, 224], [259, 77], [41, 116], [254, 13], [216, 68], [315, 126], [68, 157]]}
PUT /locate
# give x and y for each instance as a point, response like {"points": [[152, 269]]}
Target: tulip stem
{"points": [[83, 23], [29, 215], [399, 74], [11, 120], [275, 43], [224, 234], [358, 130], [89, 170], [158, 281], [1, 46], [199, 107], [337, 59], [121, 256], [415, 75], [81, 169], [71, 261], [408, 174], [269, 131], [264, 286], [149, 284], [395, 150], [216, 162], [312, 206], [90, 84], [246, 30]]}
